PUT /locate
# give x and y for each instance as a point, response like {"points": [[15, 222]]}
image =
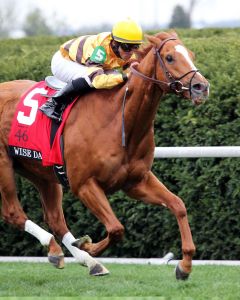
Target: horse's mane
{"points": [[146, 47]]}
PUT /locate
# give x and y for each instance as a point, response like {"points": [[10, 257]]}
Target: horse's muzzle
{"points": [[199, 92]]}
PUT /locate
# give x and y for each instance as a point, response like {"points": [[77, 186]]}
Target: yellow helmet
{"points": [[127, 31]]}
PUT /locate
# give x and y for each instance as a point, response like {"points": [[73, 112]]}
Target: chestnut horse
{"points": [[108, 145]]}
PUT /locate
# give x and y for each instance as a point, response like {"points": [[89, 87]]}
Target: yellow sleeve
{"points": [[101, 79]]}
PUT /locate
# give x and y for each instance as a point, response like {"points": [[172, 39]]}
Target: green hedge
{"points": [[209, 187]]}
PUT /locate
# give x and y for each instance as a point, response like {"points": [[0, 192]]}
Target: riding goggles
{"points": [[129, 47]]}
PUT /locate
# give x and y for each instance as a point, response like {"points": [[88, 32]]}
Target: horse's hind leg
{"points": [[51, 197], [12, 211]]}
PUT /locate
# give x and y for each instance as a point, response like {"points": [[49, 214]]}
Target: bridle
{"points": [[174, 84], [171, 83]]}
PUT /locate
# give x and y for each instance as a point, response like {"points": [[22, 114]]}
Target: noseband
{"points": [[172, 83]]}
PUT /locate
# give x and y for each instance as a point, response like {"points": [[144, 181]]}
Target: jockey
{"points": [[92, 62]]}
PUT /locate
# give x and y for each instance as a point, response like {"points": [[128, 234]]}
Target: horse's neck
{"points": [[142, 104]]}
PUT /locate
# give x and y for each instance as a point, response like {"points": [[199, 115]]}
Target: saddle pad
{"points": [[31, 130]]}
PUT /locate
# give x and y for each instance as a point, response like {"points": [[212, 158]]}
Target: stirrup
{"points": [[49, 109], [56, 116], [49, 104]]}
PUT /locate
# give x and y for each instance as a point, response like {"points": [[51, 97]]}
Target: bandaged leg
{"points": [[42, 235], [95, 268]]}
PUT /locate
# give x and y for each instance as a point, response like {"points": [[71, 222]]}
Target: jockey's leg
{"points": [[51, 198], [54, 106], [95, 199], [151, 190]]}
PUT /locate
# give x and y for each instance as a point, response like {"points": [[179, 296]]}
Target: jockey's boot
{"points": [[54, 107]]}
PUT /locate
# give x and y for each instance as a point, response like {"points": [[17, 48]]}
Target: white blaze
{"points": [[184, 52]]}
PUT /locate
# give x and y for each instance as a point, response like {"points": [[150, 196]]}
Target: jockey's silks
{"points": [[94, 51]]}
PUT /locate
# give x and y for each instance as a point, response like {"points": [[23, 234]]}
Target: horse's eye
{"points": [[169, 58]]}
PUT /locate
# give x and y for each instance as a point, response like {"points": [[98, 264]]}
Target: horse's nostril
{"points": [[198, 86]]}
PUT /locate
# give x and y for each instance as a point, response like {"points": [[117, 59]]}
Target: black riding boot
{"points": [[54, 106]]}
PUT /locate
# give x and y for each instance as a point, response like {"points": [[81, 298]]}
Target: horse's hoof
{"points": [[98, 270], [180, 274], [80, 242], [57, 261]]}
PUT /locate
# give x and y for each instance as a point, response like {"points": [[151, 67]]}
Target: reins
{"points": [[123, 118], [137, 73]]}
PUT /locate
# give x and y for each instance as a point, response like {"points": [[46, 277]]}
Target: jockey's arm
{"points": [[105, 79]]}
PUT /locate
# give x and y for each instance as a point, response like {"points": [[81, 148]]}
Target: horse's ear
{"points": [[192, 54], [173, 33], [152, 39]]}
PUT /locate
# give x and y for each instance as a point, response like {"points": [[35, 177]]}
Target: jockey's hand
{"points": [[125, 76], [134, 64]]}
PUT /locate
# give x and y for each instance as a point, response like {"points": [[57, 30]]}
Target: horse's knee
{"points": [[189, 250], [116, 233], [178, 207]]}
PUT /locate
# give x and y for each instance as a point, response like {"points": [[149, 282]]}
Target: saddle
{"points": [[35, 136], [54, 83]]}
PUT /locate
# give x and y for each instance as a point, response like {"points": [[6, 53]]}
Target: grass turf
{"points": [[126, 281]]}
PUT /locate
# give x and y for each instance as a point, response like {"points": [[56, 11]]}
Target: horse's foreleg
{"points": [[151, 190], [95, 199], [83, 257]]}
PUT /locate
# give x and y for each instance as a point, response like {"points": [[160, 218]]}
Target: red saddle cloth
{"points": [[31, 130]]}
